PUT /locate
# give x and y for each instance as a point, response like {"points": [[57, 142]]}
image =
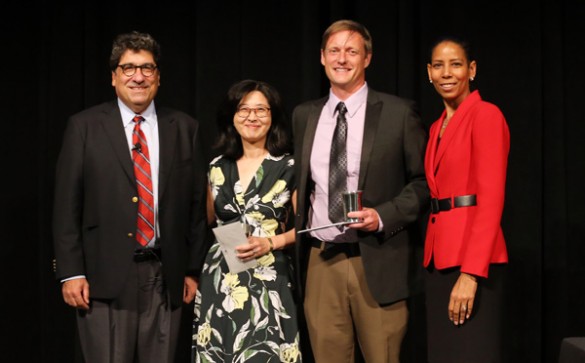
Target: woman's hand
{"points": [[462, 297], [256, 247]]}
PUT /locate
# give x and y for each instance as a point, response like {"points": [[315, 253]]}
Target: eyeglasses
{"points": [[130, 69], [261, 112]]}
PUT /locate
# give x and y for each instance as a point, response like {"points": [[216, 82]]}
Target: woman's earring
{"points": [[471, 79], [430, 81]]}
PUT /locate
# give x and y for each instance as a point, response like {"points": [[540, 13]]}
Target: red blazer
{"points": [[470, 158]]}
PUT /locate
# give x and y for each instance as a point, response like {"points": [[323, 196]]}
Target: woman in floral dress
{"points": [[250, 316]]}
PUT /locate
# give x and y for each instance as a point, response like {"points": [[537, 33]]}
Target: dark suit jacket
{"points": [[94, 219], [391, 177]]}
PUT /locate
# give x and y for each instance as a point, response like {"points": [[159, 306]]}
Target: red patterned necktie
{"points": [[141, 159]]}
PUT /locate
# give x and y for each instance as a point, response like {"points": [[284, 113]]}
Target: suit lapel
{"points": [[167, 144], [455, 124], [309, 136], [445, 139], [373, 111], [431, 154], [114, 127]]}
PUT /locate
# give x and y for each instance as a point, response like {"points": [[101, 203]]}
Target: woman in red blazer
{"points": [[465, 252]]}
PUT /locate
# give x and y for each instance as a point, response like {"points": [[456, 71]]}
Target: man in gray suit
{"points": [[129, 214], [356, 275]]}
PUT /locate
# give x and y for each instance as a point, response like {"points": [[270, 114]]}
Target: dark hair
{"points": [[464, 44], [229, 142], [352, 26], [136, 42]]}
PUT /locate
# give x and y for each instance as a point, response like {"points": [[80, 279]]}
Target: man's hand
{"points": [[370, 221], [190, 289], [76, 293]]}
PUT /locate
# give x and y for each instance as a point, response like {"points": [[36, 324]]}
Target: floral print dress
{"points": [[249, 316]]}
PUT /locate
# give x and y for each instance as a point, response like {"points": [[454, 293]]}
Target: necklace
{"points": [[445, 122]]}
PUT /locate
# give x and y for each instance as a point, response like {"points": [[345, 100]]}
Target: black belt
{"points": [[147, 254], [444, 205], [330, 249]]}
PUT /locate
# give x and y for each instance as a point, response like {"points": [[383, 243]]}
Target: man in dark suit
{"points": [[356, 275], [129, 214]]}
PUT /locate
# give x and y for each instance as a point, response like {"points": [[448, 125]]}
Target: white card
{"points": [[229, 236]]}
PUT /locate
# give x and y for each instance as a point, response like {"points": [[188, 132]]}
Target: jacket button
{"points": [[135, 199], [130, 235], [433, 220]]}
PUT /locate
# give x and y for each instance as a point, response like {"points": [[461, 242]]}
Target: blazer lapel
{"points": [[167, 137], [445, 139], [431, 154], [455, 123], [114, 127], [373, 111], [309, 136]]}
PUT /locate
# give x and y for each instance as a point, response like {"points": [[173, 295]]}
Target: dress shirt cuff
{"points": [[73, 278], [380, 223]]}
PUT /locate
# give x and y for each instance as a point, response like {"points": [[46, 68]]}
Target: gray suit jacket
{"points": [[94, 219], [391, 177]]}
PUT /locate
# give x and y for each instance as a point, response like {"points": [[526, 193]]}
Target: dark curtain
{"points": [[529, 56]]}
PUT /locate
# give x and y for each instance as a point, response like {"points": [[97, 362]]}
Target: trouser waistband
{"points": [[329, 249], [147, 254]]}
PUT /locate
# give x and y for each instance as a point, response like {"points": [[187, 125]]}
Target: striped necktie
{"points": [[338, 167], [140, 157]]}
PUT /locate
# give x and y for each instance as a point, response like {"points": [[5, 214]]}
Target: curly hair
{"points": [[134, 41]]}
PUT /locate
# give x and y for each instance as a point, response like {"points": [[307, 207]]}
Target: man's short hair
{"points": [[352, 26]]}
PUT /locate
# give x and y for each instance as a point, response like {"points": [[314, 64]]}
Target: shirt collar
{"points": [[352, 103], [127, 114]]}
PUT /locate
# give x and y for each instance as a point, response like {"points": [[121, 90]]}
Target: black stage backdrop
{"points": [[530, 56]]}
